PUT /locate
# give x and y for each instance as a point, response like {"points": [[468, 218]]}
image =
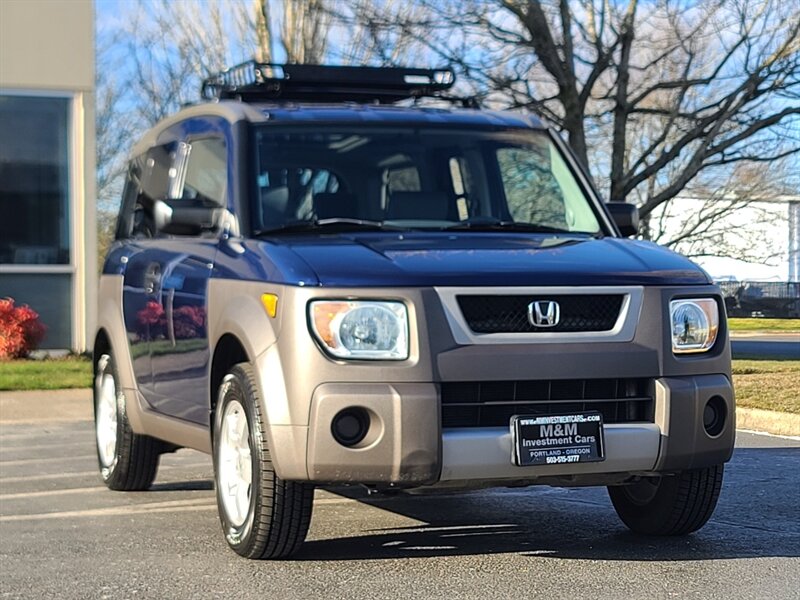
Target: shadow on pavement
{"points": [[182, 486], [756, 517]]}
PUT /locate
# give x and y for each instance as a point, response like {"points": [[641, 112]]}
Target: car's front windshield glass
{"points": [[416, 178]]}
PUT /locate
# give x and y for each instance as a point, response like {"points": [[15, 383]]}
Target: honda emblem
{"points": [[544, 313]]}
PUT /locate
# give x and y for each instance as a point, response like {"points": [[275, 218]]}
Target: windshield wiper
{"points": [[340, 223], [498, 225]]}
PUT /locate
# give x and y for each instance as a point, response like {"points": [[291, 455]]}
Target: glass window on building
{"points": [[34, 180]]}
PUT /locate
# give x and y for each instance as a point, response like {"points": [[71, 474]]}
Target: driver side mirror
{"points": [[625, 216], [184, 220]]}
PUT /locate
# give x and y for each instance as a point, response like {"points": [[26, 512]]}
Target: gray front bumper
{"points": [[469, 454], [411, 449]]}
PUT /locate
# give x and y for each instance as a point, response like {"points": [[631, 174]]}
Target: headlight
{"points": [[361, 329], [694, 324]]}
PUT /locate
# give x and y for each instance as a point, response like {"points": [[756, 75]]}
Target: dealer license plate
{"points": [[557, 439]]}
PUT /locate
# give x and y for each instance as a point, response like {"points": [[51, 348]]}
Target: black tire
{"points": [[672, 505], [279, 512], [133, 464]]}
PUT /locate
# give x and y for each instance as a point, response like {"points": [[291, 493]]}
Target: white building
{"points": [[48, 256], [758, 240]]}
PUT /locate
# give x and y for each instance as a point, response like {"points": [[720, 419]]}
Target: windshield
{"points": [[416, 178]]}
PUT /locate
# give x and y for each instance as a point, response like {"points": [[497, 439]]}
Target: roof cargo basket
{"points": [[253, 81]]}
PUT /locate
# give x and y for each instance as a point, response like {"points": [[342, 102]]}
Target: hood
{"points": [[474, 259]]}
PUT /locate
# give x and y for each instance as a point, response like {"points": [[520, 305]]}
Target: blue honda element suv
{"points": [[346, 275]]}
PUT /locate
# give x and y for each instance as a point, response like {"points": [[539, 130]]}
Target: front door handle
{"points": [[152, 279]]}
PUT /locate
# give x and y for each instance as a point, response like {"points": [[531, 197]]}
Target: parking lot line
{"points": [[115, 511], [192, 504], [28, 461], [47, 476], [47, 493], [92, 473], [57, 446], [87, 434]]}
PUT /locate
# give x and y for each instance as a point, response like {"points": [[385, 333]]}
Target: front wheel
{"points": [[262, 515], [670, 505]]}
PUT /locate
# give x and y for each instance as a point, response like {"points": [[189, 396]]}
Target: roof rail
{"points": [[255, 81]]}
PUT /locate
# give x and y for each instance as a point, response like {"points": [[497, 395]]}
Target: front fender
{"points": [[235, 308]]}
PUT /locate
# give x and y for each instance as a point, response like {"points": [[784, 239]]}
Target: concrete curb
{"points": [[743, 335], [768, 421]]}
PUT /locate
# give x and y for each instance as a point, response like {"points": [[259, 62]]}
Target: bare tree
{"points": [[300, 28], [149, 63], [650, 96], [113, 125], [170, 50], [305, 30], [114, 131], [658, 99], [263, 30], [378, 34]]}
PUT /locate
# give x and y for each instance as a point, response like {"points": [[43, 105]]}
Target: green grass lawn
{"points": [[766, 384], [51, 374], [771, 325]]}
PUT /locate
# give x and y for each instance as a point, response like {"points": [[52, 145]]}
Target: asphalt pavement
{"points": [[772, 346], [63, 535]]}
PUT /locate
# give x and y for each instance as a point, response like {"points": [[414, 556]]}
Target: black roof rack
{"points": [[253, 81]]}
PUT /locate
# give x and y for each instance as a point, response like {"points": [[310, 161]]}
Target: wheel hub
{"points": [[235, 465], [106, 418]]}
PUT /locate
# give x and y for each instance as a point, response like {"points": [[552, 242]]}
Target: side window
{"points": [[205, 176], [180, 174], [127, 206], [158, 174], [146, 182], [150, 177]]}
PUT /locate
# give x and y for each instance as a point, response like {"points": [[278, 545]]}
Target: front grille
{"points": [[509, 314], [493, 403]]}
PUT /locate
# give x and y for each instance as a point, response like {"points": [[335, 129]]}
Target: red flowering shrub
{"points": [[20, 330], [189, 322], [152, 320], [151, 314]]}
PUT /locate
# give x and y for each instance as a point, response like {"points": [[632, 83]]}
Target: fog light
{"points": [[350, 426], [714, 415]]}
